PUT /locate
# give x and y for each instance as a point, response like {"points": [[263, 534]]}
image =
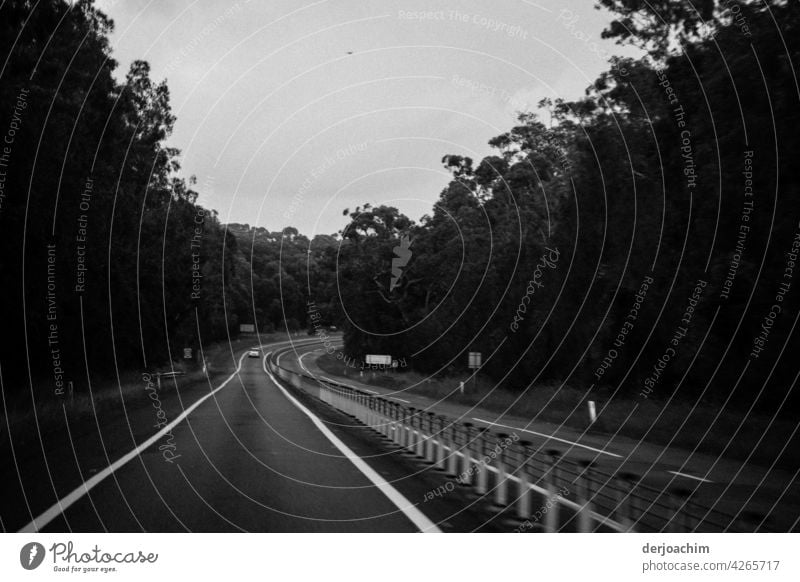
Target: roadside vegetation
{"points": [[731, 434]]}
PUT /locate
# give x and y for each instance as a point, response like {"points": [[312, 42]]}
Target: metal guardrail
{"points": [[518, 477]]}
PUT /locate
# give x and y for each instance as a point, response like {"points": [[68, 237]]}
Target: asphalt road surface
{"points": [[249, 457]]}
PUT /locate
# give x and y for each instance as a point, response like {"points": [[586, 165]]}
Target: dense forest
{"points": [[109, 260], [642, 238]]}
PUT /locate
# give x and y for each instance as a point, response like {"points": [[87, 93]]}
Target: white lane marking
{"points": [[551, 437], [398, 499], [350, 385], [400, 399], [701, 479], [63, 504]]}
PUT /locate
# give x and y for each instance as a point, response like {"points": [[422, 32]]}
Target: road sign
{"points": [[381, 360], [187, 353], [474, 360], [247, 328]]}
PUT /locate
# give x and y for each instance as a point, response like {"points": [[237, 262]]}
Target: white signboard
{"points": [[378, 359], [474, 360], [247, 328]]}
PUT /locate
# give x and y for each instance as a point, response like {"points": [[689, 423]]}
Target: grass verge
{"points": [[727, 433]]}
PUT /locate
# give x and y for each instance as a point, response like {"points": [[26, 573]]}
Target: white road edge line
{"points": [[302, 365], [63, 504], [701, 479], [398, 499], [551, 437]]}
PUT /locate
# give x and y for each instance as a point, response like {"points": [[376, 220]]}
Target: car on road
{"points": [[253, 354]]}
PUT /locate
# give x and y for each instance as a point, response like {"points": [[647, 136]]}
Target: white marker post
{"points": [[592, 412]]}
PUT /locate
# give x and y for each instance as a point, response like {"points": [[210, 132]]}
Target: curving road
{"points": [[245, 456]]}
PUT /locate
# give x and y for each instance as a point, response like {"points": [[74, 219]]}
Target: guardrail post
{"points": [[368, 412], [397, 427], [624, 506], [402, 431], [584, 486], [752, 521], [467, 452], [482, 482], [362, 406], [500, 489], [440, 438], [411, 442], [524, 489], [430, 452], [385, 428], [420, 434], [401, 426], [679, 499], [551, 517], [452, 442]]}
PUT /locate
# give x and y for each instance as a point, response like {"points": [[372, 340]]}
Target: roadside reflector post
{"points": [[524, 489], [592, 412], [585, 497], [500, 490], [482, 482], [551, 478], [461, 387]]}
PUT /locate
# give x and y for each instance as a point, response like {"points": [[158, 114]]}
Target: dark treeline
{"points": [[109, 263], [637, 238]]}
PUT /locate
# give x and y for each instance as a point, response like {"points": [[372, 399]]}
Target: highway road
{"points": [[243, 455], [731, 486]]}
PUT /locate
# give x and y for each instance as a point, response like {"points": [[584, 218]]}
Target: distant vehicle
{"points": [[332, 328], [253, 354]]}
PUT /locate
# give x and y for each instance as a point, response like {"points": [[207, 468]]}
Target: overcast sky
{"points": [[284, 127]]}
